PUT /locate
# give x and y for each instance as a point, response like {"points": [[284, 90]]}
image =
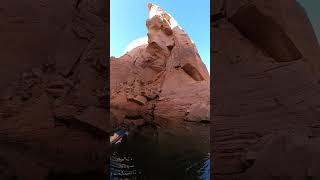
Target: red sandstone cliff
{"points": [[53, 71], [266, 91], [163, 81]]}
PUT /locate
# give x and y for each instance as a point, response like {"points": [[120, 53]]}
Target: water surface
{"points": [[165, 153]]}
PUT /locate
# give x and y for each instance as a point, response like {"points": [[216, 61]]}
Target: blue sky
{"points": [[312, 8], [128, 22]]}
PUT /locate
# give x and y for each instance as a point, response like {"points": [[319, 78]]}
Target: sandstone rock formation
{"points": [[53, 95], [159, 81], [266, 73]]}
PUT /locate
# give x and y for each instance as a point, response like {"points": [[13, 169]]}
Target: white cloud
{"points": [[136, 43]]}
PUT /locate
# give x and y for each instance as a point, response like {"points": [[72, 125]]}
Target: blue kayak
{"points": [[117, 136]]}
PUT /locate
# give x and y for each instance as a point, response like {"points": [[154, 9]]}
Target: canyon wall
{"points": [[161, 82], [53, 90], [265, 95]]}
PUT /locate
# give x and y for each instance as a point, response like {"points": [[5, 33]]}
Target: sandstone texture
{"points": [[53, 95], [265, 99], [158, 81]]}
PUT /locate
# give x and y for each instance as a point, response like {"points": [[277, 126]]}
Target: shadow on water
{"points": [[180, 153]]}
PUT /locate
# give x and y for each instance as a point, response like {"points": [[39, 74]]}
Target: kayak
{"points": [[118, 136]]}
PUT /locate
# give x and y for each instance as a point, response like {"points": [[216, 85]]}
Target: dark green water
{"points": [[180, 153]]}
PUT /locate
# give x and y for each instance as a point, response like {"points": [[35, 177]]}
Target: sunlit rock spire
{"points": [[155, 10]]}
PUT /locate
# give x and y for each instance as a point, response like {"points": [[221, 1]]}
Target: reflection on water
{"points": [[178, 153], [122, 167]]}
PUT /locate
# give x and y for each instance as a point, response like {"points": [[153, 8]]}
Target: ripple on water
{"points": [[167, 157], [122, 167]]}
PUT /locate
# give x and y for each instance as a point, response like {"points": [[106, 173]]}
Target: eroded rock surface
{"points": [[265, 83], [159, 81], [53, 100]]}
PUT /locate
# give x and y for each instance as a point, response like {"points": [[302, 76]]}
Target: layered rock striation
{"points": [[53, 93], [266, 91]]}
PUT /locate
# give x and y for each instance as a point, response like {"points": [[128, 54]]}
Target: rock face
{"points": [[159, 81], [265, 85], [53, 95]]}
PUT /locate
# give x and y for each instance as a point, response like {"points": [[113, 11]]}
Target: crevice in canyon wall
{"points": [[192, 72]]}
